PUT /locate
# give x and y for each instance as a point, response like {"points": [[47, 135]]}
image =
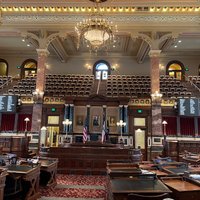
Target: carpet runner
{"points": [[76, 187]]}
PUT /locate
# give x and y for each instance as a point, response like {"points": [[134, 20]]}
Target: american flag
{"points": [[85, 132], [103, 133], [105, 130]]}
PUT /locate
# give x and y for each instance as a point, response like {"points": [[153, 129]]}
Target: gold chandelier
{"points": [[96, 31]]}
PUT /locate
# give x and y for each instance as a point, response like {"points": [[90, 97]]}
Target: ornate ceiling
{"points": [[142, 24]]}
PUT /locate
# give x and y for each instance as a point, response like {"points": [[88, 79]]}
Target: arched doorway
{"points": [[176, 70], [29, 68], [101, 70], [3, 67]]}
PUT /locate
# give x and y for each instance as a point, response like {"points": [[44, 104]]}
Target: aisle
{"points": [[76, 187]]}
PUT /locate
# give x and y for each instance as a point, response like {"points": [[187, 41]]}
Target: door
{"points": [[52, 137]]}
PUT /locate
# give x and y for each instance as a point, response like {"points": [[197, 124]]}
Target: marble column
{"points": [[155, 91], [41, 69], [156, 100], [39, 90]]}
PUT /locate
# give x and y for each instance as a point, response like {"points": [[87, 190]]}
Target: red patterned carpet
{"points": [[77, 186]]}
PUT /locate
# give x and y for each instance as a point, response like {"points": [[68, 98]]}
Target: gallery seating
{"points": [[130, 86]]}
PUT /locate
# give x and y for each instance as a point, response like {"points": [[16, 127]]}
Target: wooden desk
{"points": [[121, 187], [84, 159], [148, 166], [159, 173], [182, 189], [154, 169], [195, 160], [126, 172], [30, 179], [3, 174], [122, 165], [178, 170], [49, 166]]}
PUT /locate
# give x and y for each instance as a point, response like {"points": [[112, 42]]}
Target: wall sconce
{"points": [[156, 97], [38, 96], [113, 68], [88, 66]]}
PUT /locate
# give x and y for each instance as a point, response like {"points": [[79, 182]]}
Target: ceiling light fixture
{"points": [[96, 32]]}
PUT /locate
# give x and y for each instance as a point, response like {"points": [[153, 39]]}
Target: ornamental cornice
{"points": [[74, 18], [108, 3]]}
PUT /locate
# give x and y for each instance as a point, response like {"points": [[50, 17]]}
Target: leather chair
{"points": [[134, 196]]}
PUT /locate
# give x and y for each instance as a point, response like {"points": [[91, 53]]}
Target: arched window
{"points": [[101, 70], [3, 67], [29, 68], [176, 69]]}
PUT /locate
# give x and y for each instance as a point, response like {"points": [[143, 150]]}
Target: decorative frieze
{"points": [[117, 18]]}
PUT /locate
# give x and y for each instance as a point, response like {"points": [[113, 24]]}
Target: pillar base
{"points": [[155, 148]]}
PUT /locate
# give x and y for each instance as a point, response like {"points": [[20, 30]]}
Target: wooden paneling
{"points": [[175, 148], [85, 159], [13, 144]]}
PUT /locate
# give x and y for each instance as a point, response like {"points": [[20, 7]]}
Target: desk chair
{"points": [[134, 196], [13, 186]]}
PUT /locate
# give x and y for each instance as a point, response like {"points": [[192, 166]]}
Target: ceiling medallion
{"points": [[96, 32]]}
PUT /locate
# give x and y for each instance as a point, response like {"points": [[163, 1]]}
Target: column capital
{"points": [[66, 105], [104, 106], [120, 106], [72, 105], [42, 52], [154, 53], [125, 106], [88, 106]]}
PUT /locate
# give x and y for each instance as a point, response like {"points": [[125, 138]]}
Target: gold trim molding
{"points": [[107, 9]]}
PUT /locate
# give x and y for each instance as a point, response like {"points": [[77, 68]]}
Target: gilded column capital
{"points": [[154, 53], [42, 52]]}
